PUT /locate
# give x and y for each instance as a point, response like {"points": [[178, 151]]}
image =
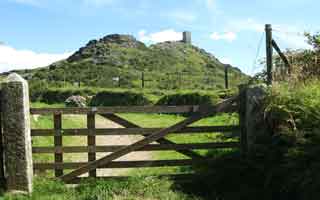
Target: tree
{"points": [[314, 40]]}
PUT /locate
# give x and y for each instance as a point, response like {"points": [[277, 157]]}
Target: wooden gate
{"points": [[151, 135], [2, 176]]}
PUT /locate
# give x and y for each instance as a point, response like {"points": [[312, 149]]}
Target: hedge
{"points": [[58, 96], [107, 98], [188, 99]]}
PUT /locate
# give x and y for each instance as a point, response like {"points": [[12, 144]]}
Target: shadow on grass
{"points": [[278, 171]]}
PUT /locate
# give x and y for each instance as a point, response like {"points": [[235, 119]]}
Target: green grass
{"points": [[136, 188], [46, 122], [165, 120]]}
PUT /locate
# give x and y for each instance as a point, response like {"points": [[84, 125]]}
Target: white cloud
{"points": [[162, 36], [12, 58], [228, 36], [226, 60]]}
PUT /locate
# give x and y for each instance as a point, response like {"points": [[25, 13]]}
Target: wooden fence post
{"points": [[142, 80], [91, 141], [17, 134], [269, 51], [242, 119], [58, 156], [226, 76]]}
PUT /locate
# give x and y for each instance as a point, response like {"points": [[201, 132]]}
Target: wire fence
{"points": [[218, 79]]}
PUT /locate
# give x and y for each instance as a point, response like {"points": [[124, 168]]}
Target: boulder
{"points": [[76, 101]]}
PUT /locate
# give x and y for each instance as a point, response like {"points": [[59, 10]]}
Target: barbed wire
{"points": [[257, 53]]}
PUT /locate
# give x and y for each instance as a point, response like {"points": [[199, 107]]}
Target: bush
{"points": [[188, 99], [106, 98], [301, 102]]}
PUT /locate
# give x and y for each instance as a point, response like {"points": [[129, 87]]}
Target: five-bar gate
{"points": [[151, 135]]}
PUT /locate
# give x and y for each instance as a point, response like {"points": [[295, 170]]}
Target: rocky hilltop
{"points": [[119, 60]]}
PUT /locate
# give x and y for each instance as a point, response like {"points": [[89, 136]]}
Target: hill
{"points": [[122, 61]]}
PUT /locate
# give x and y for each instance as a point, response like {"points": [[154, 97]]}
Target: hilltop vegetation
{"points": [[119, 60]]}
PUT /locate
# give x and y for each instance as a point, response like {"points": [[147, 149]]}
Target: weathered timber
{"points": [[116, 109], [149, 139], [282, 56], [269, 53], [242, 119], [138, 131], [123, 164], [119, 120], [91, 140], [149, 147], [58, 156], [129, 124]]}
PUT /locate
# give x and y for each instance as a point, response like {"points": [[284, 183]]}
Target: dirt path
{"points": [[102, 122]]}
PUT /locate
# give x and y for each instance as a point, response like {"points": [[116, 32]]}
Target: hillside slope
{"points": [[119, 60]]}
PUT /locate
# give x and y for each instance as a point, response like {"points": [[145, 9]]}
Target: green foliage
{"points": [[314, 40], [119, 99], [301, 102], [304, 63]]}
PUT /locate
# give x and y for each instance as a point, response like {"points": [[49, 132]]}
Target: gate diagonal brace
{"points": [[147, 140], [127, 124]]}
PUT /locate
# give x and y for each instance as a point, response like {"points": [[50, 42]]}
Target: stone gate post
{"points": [[251, 113], [16, 134]]}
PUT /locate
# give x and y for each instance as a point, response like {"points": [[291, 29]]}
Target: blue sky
{"points": [[36, 32]]}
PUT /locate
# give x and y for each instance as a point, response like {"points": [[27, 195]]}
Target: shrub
{"points": [[301, 102], [107, 98], [188, 99]]}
